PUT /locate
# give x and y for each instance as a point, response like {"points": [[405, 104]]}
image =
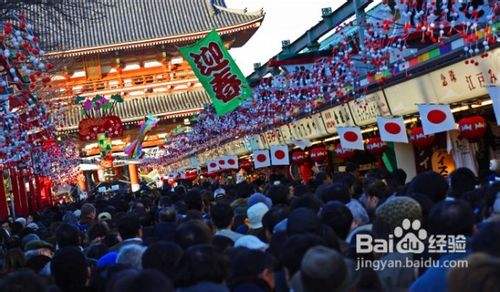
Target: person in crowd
{"points": [[191, 233], [165, 228], [222, 216], [251, 270], [70, 269], [163, 256], [130, 230], [68, 235], [430, 184], [131, 256], [482, 274], [462, 181], [88, 214], [144, 281], [254, 220]]}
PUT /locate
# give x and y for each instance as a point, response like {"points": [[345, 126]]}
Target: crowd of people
{"points": [[270, 234]]}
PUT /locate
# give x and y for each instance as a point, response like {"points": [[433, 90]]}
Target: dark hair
{"points": [[99, 229], [129, 226], [222, 243], [487, 239], [87, 209], [335, 192], [278, 194], [162, 256], [192, 233], [338, 217], [22, 281], [247, 264], [222, 215], [201, 263], [193, 200], [429, 183], [68, 235], [376, 188], [306, 201], [295, 248], [275, 215], [13, 260], [462, 180], [451, 218], [69, 268], [167, 214], [144, 281], [96, 251]]}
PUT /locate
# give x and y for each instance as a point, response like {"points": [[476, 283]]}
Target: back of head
{"points": [[131, 255], [391, 214], [278, 194], [222, 215], [22, 281], [192, 233], [70, 269], [68, 235], [481, 274], [451, 218], [294, 249], [303, 220], [248, 263], [88, 212], [144, 281], [323, 269], [162, 256], [194, 200], [129, 226], [338, 217], [167, 214], [201, 263], [335, 192], [431, 184], [487, 239], [462, 180]]}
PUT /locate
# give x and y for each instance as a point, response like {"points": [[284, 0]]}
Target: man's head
{"points": [[129, 226], [278, 194], [481, 274], [144, 281], [192, 233], [335, 192], [162, 256], [430, 184], [451, 218], [294, 249], [251, 264], [323, 178], [338, 217], [303, 220], [70, 269], [323, 269], [255, 215], [194, 200], [68, 235], [222, 215], [88, 212], [167, 214], [462, 180]]}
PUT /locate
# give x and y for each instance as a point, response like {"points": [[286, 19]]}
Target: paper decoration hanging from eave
{"points": [[231, 161], [392, 129], [261, 158], [494, 92], [436, 118], [212, 166], [279, 155], [350, 138], [217, 72]]}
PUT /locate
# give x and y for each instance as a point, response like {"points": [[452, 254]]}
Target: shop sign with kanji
{"points": [[217, 72]]}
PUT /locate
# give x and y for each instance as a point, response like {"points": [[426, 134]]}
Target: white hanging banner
{"points": [[392, 129], [436, 118], [212, 166], [279, 155], [231, 161], [494, 92], [350, 138], [261, 158]]}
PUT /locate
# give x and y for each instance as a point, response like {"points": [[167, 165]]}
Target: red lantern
{"points": [[344, 154], [190, 175], [472, 128], [375, 146], [298, 156], [419, 140], [89, 128], [318, 153]]}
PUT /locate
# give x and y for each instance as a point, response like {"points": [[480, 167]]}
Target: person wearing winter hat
{"points": [[259, 198], [254, 220]]}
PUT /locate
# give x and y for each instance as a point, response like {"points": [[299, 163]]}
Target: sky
{"points": [[285, 19]]}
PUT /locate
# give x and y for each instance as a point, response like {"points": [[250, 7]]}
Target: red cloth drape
{"points": [[4, 210]]}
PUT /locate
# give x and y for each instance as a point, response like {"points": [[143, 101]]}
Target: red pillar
{"points": [[4, 210]]}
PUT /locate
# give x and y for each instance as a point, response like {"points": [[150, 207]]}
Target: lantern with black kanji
{"points": [[419, 140], [375, 146], [318, 153], [344, 154], [299, 156], [472, 128]]}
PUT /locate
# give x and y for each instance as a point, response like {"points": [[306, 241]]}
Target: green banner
{"points": [[218, 73]]}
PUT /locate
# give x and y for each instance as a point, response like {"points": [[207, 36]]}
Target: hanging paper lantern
{"points": [[246, 164], [344, 154], [419, 140], [190, 175], [375, 146], [472, 128], [298, 156], [318, 153]]}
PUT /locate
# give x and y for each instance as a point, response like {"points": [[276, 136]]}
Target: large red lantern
{"points": [[318, 153], [190, 175], [298, 156], [375, 146], [419, 140], [344, 154], [472, 128]]}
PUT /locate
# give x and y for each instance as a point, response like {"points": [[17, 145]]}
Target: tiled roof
{"points": [[127, 21], [133, 109]]}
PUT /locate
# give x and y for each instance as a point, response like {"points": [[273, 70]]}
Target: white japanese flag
{"points": [[279, 155], [392, 129], [350, 138], [231, 161], [212, 166], [221, 162], [436, 118], [494, 92], [261, 158]]}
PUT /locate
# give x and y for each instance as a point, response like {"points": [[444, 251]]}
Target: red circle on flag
{"points": [[350, 136], [231, 161], [392, 128], [213, 165], [280, 154], [222, 162], [436, 116], [261, 158]]}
